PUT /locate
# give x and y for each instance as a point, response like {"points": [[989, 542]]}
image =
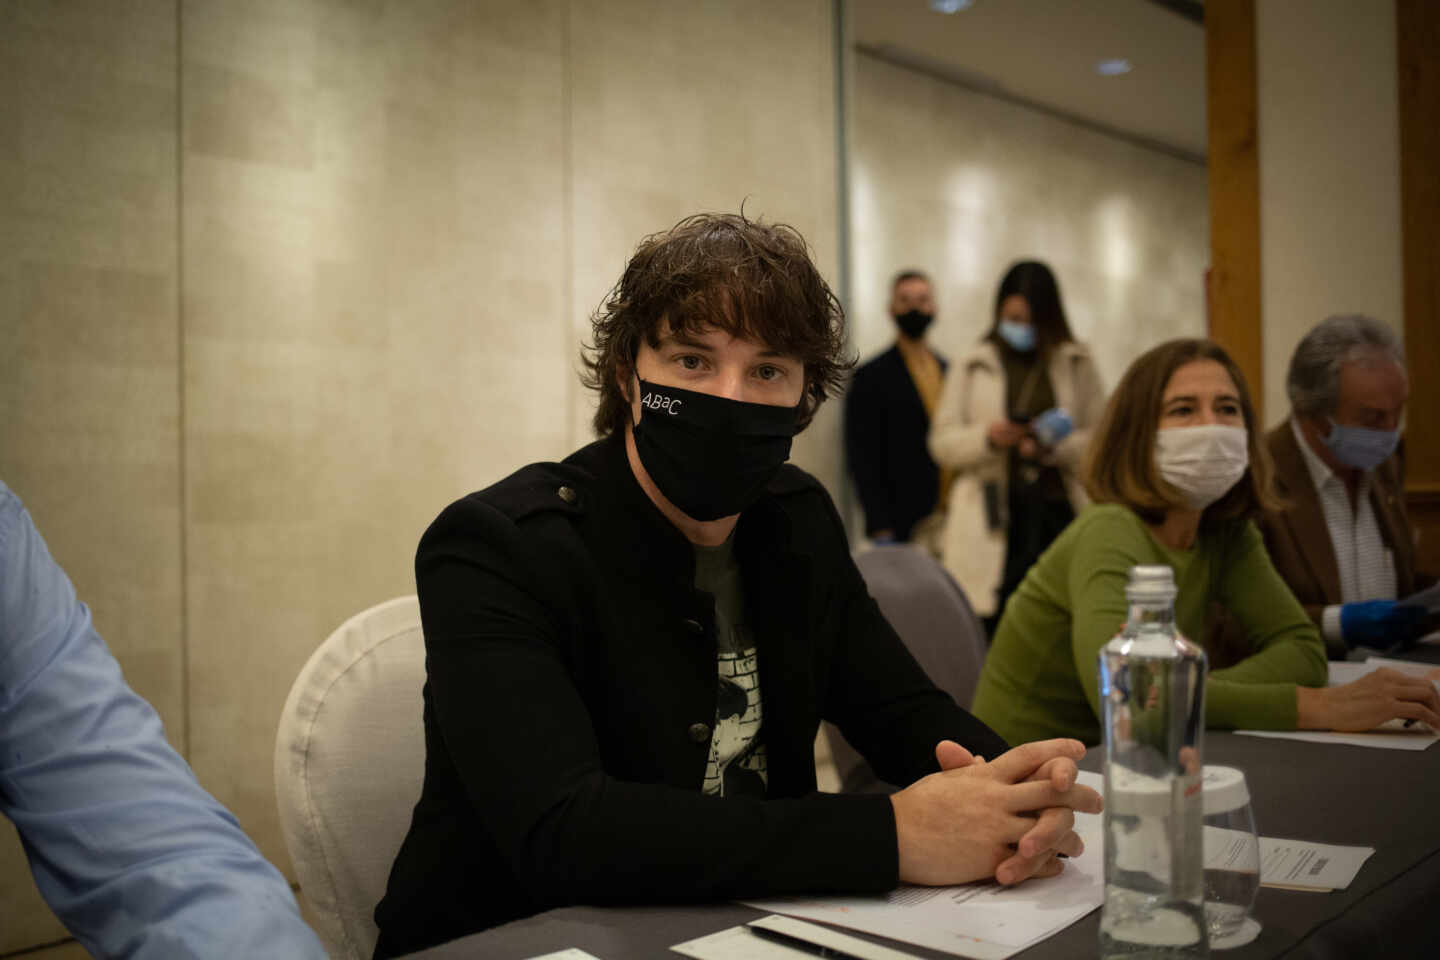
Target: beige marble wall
{"points": [[89, 392], [961, 184], [397, 218], [1329, 133], [375, 325], [307, 270], [683, 107]]}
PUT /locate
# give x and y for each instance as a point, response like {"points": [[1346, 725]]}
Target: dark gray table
{"points": [[1424, 653], [1386, 799]]}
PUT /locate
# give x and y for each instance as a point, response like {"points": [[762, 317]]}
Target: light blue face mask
{"points": [[1361, 447], [1020, 336]]}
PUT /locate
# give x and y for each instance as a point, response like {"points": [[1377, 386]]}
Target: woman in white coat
{"points": [[1012, 423]]}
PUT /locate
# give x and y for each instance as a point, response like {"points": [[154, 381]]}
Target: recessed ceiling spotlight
{"points": [[1113, 68], [950, 6]]}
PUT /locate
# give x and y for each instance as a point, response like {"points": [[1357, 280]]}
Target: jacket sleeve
{"points": [[127, 848], [881, 698], [865, 451], [1089, 403], [1270, 528], [955, 441], [1098, 572], [522, 741], [1259, 691]]}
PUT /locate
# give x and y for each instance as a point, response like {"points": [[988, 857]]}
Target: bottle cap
{"points": [[1150, 582], [1225, 790]]}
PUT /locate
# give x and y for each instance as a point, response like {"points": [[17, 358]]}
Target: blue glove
{"points": [[1380, 623], [1052, 426]]}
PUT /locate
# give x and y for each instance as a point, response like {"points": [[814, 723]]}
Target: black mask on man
{"points": [[912, 323], [710, 456]]}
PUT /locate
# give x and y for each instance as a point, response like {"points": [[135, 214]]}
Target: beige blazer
{"points": [[973, 398]]}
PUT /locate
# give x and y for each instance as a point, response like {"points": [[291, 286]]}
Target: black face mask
{"points": [[912, 323], [710, 456]]}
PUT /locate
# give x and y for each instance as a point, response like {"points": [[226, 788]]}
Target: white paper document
{"points": [[1348, 671], [1286, 863], [1320, 866], [738, 943], [743, 943], [1404, 666], [1393, 735], [574, 953], [984, 921]]}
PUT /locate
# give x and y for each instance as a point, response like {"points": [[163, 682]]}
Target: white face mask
{"points": [[1203, 462]]}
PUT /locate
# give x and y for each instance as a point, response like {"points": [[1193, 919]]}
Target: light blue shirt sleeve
{"points": [[132, 854]]}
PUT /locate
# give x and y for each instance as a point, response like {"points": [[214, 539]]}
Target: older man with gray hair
{"points": [[1344, 543]]}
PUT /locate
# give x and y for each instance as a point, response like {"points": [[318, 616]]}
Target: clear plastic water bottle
{"points": [[1152, 686]]}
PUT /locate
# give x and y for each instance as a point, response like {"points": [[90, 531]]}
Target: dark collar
{"points": [[764, 529], [895, 358]]}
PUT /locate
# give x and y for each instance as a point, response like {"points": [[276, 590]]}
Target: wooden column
{"points": [[1417, 31], [1234, 165]]}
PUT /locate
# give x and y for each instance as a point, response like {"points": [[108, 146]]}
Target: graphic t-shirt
{"points": [[737, 757]]}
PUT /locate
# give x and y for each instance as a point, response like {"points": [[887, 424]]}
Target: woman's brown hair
{"points": [[1120, 461], [751, 279]]}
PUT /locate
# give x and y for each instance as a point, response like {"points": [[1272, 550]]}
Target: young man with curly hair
{"points": [[629, 652]]}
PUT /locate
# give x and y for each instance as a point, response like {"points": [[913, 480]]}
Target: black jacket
{"points": [[885, 428], [572, 684]]}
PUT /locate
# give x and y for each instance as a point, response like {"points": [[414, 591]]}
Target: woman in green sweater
{"points": [[1176, 474]]}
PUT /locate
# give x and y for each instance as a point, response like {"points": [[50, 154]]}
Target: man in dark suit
{"points": [[887, 416], [1344, 543]]}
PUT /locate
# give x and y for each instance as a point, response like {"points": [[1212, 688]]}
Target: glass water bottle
{"points": [[1152, 686]]}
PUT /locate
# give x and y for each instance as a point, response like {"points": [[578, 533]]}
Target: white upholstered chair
{"points": [[349, 763]]}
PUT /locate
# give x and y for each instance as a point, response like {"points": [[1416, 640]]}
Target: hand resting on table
{"points": [[1012, 817], [1367, 703]]}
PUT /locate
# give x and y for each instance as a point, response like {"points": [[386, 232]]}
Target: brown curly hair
{"points": [[751, 279]]}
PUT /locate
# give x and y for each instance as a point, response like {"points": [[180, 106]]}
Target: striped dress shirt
{"points": [[1366, 565]]}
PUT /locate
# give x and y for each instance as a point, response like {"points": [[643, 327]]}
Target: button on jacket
{"points": [[572, 686]]}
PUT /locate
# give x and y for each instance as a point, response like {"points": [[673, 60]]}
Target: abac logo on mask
{"points": [[653, 401]]}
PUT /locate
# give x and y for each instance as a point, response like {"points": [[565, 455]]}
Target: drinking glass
{"points": [[1232, 853]]}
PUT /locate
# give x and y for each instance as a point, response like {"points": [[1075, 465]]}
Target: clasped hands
{"points": [[1012, 817]]}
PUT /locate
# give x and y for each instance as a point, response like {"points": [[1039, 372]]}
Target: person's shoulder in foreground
{"points": [[127, 848], [609, 720]]}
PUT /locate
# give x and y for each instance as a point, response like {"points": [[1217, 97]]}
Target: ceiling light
{"points": [[1113, 68], [950, 6]]}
